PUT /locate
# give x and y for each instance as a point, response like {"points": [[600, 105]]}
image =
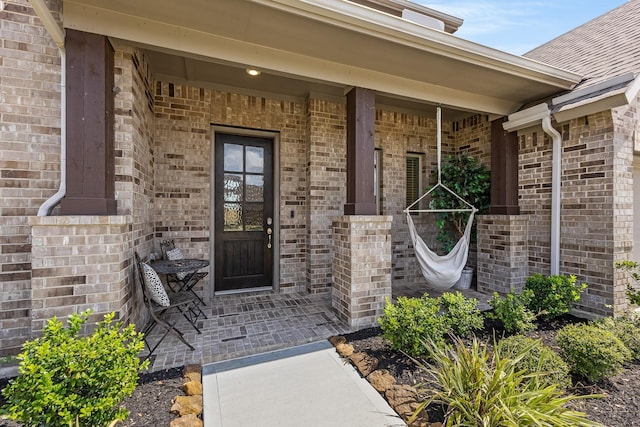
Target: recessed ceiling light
{"points": [[253, 72]]}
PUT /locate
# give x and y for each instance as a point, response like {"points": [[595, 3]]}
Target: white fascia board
{"points": [[602, 86], [633, 89], [526, 118], [603, 102], [174, 38], [594, 105], [373, 22]]}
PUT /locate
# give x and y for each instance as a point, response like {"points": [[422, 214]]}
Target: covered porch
{"points": [[339, 127]]}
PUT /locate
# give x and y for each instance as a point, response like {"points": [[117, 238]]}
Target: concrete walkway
{"points": [[308, 385]]}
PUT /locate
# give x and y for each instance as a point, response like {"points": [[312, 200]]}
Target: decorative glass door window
{"points": [[244, 168]]}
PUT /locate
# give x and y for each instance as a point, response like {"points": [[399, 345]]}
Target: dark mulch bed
{"points": [[151, 401], [620, 407]]}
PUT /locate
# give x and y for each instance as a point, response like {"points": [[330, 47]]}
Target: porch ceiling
{"points": [[320, 46]]}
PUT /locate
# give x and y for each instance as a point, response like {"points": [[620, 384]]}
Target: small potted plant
{"points": [[469, 179]]}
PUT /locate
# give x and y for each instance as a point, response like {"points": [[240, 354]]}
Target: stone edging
{"points": [[404, 399], [189, 407]]}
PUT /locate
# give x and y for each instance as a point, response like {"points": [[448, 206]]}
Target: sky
{"points": [[517, 26]]}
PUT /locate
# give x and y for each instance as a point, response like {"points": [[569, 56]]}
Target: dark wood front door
{"points": [[244, 223]]}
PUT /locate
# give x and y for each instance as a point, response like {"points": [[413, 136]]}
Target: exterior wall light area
{"points": [[253, 72]]}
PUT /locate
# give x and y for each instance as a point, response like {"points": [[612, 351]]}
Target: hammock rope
{"points": [[441, 271]]}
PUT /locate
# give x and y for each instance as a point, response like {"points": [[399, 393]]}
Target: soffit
{"points": [[333, 50]]}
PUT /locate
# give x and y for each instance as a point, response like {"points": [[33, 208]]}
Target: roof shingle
{"points": [[603, 48]]}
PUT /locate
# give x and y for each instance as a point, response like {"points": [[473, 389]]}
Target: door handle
{"points": [[269, 233]]}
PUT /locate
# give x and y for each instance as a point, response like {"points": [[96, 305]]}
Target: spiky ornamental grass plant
{"points": [[482, 389]]}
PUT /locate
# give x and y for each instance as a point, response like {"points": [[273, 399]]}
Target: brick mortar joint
{"points": [[89, 220]]}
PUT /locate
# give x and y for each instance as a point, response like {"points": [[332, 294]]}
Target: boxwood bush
{"points": [[512, 311], [71, 380], [592, 352], [461, 314], [411, 321], [627, 329], [553, 296]]}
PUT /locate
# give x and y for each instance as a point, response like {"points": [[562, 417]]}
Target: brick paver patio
{"points": [[245, 324]]}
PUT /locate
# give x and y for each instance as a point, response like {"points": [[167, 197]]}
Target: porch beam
{"points": [[90, 126], [504, 170], [361, 105]]}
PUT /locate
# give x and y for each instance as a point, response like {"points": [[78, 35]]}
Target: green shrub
{"points": [[553, 296], [479, 389], [592, 352], [68, 380], [627, 329], [633, 270], [461, 315], [410, 321], [512, 311], [538, 359]]}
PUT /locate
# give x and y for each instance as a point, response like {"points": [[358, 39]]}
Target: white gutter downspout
{"points": [[528, 118], [555, 193], [57, 34]]}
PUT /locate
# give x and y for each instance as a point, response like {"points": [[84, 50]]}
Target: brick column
{"points": [[502, 253], [79, 262], [361, 268]]}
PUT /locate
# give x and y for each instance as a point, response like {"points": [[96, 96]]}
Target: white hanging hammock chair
{"points": [[441, 271]]}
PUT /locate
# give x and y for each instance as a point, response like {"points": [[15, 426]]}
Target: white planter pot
{"points": [[465, 279]]}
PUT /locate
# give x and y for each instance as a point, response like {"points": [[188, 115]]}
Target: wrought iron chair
{"points": [[160, 315], [181, 281]]}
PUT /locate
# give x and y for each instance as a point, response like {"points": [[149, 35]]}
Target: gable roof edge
{"points": [[366, 20]]}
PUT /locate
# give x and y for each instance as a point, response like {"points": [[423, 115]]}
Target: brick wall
{"points": [[29, 154], [398, 133], [596, 160], [182, 154], [289, 118], [135, 165], [182, 161], [626, 128], [473, 137], [78, 263], [534, 175], [326, 177]]}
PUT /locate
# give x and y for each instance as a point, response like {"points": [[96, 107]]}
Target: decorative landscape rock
{"points": [[193, 376], [404, 400], [364, 363], [189, 407], [381, 380], [192, 388], [184, 405], [400, 394], [335, 340], [188, 420], [344, 350]]}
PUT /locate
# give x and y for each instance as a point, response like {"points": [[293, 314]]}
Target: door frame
{"points": [[275, 137]]}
